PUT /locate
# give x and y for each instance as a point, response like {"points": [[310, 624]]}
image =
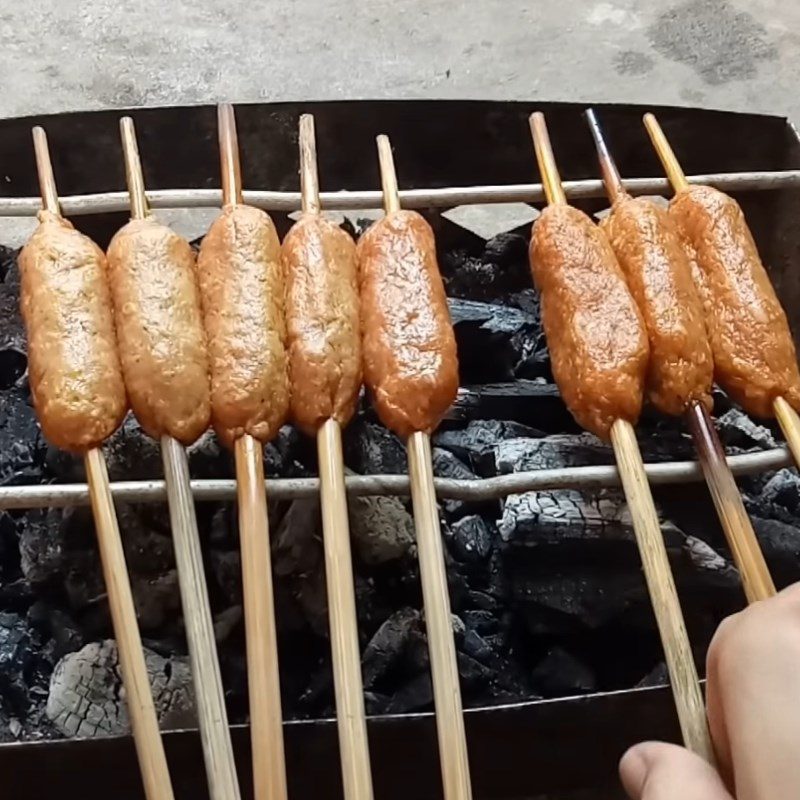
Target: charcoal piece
{"points": [[531, 402], [513, 338], [157, 599], [83, 580], [221, 532], [298, 561], [370, 449], [552, 452], [739, 433], [472, 673], [208, 458], [375, 703], [131, 454], [22, 447], [146, 538], [13, 358], [561, 673], [381, 528], [475, 444], [470, 539], [389, 645], [9, 274], [658, 676], [589, 596], [780, 543], [417, 655], [284, 456], [480, 621], [482, 600], [416, 695], [501, 268], [227, 569], [446, 465], [20, 660], [41, 545], [86, 693], [226, 622], [708, 568], [780, 498], [60, 628], [475, 646]]}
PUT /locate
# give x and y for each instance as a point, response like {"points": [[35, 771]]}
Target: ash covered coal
{"points": [[546, 587]]}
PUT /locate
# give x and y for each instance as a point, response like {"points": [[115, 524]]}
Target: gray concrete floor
{"points": [[77, 54]]}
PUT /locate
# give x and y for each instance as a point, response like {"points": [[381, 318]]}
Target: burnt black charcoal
{"points": [[560, 673], [227, 569], [41, 545], [13, 358], [388, 645], [658, 676], [480, 621], [65, 634], [513, 337], [446, 465], [475, 444], [739, 433], [21, 662], [416, 695], [501, 268], [780, 498], [471, 539], [8, 265], [22, 447], [552, 452], [780, 543], [474, 675], [146, 538], [475, 646], [370, 449], [131, 454], [286, 454], [531, 402]]}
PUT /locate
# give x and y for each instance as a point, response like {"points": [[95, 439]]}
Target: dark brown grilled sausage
{"points": [[242, 290], [649, 250], [74, 370], [410, 360], [596, 336], [324, 340], [754, 355], [159, 328]]}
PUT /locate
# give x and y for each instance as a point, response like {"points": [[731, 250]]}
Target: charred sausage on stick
{"points": [[76, 382], [596, 336], [156, 297], [411, 370], [241, 287], [325, 368], [680, 375]]}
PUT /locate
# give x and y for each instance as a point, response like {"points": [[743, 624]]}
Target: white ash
{"points": [[87, 698]]}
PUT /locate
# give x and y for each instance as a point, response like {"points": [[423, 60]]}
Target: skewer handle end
{"points": [[133, 169], [44, 167], [309, 174], [391, 195], [665, 153], [551, 180]]}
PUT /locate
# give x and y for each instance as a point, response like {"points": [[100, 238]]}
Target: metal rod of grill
{"points": [[445, 197]]}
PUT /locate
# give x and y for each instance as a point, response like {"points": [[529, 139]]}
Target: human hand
{"points": [[753, 700]]}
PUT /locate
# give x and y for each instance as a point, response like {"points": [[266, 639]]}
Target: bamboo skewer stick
{"points": [[741, 537], [646, 526], [212, 715], [787, 417], [346, 656], [263, 677], [139, 698], [438, 620]]}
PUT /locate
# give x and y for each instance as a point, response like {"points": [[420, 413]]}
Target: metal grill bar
{"points": [[672, 472], [107, 202]]}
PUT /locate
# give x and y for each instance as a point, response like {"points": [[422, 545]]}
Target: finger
{"points": [[657, 771]]}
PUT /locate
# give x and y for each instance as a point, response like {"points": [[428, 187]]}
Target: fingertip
{"points": [[633, 770]]}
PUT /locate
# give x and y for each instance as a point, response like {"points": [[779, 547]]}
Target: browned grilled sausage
{"points": [[242, 289], [596, 336], [159, 329], [324, 340], [74, 370], [754, 355], [659, 275], [410, 360]]}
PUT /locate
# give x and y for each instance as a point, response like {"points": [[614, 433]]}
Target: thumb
{"points": [[657, 771]]}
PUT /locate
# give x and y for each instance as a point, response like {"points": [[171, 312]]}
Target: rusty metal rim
{"points": [[107, 202]]}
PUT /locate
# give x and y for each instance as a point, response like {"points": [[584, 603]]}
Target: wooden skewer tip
{"points": [[309, 175]]}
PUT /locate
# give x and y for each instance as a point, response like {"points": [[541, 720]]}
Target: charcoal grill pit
{"points": [[534, 572]]}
